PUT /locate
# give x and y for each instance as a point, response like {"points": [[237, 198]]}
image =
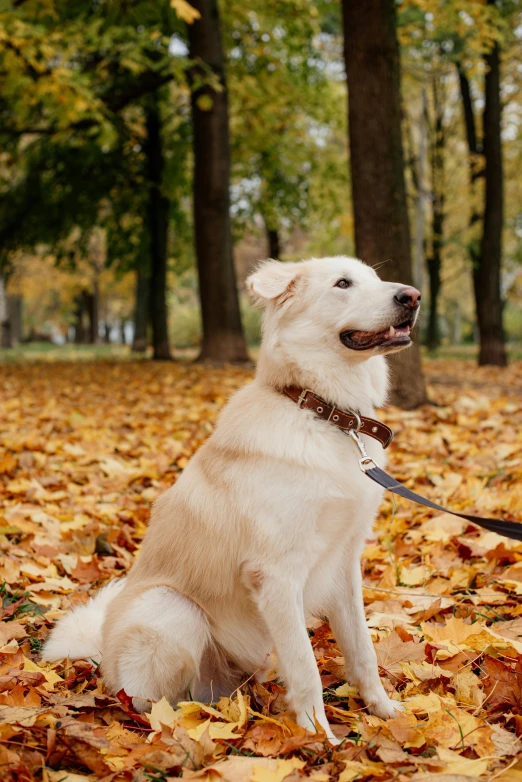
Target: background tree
{"points": [[377, 162], [158, 222], [116, 66], [288, 136], [487, 260], [470, 38], [438, 194], [223, 338]]}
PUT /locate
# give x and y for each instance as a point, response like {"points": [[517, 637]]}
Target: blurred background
{"points": [[152, 152]]}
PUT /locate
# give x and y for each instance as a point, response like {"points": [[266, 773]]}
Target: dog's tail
{"points": [[78, 634]]}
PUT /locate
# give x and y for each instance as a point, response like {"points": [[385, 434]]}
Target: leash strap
{"points": [[508, 529]]}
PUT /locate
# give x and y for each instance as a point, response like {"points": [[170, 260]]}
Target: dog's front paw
{"points": [[384, 707]]}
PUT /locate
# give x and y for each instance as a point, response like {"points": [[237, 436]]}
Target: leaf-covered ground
{"points": [[85, 449]]}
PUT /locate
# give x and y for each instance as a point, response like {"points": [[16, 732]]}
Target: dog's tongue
{"points": [[366, 338], [369, 338]]}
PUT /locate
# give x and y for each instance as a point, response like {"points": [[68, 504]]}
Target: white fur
{"points": [[78, 634], [267, 523]]}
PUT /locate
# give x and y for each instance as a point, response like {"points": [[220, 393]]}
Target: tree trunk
{"points": [[80, 334], [486, 255], [223, 338], [94, 313], [377, 163], [420, 197], [158, 224], [141, 312], [89, 306], [274, 247], [438, 190], [5, 326], [475, 170], [486, 274]]}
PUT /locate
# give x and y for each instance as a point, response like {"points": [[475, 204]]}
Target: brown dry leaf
{"points": [[404, 729], [503, 685], [392, 651], [20, 715], [10, 631]]}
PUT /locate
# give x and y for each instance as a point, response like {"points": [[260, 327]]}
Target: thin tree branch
{"points": [[115, 103]]}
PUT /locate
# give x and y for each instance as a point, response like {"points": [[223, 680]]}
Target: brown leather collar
{"points": [[341, 418]]}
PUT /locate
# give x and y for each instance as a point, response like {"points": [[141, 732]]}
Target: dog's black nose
{"points": [[408, 297]]}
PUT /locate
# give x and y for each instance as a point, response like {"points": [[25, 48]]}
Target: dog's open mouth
{"points": [[392, 337]]}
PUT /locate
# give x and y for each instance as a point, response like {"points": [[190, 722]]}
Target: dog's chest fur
{"points": [[318, 501]]}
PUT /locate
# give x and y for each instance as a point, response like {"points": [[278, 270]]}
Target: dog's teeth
{"points": [[392, 331]]}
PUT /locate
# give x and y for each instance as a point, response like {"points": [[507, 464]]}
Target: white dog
{"points": [[267, 522]]}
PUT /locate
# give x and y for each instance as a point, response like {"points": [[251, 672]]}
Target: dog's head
{"points": [[337, 305]]}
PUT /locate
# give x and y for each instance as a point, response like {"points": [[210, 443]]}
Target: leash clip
{"points": [[365, 462]]}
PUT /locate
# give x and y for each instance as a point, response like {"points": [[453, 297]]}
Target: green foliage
{"points": [[288, 116], [72, 79]]}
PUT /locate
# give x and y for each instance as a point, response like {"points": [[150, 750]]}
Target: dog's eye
{"points": [[343, 283]]}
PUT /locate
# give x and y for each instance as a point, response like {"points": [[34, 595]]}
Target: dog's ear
{"points": [[272, 281]]}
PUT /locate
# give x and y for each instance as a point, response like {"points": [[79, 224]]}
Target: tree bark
{"points": [[434, 261], [377, 163], [223, 338], [158, 224], [141, 312], [486, 254], [486, 274], [420, 196], [79, 328], [475, 168], [5, 325], [89, 306], [274, 246], [94, 312]]}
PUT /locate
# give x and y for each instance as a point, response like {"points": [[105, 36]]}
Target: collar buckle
{"points": [[302, 397]]}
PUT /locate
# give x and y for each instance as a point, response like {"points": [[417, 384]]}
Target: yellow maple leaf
{"points": [[276, 770], [161, 713], [354, 769], [457, 635], [346, 690], [425, 704], [189, 708], [216, 730], [185, 11], [456, 764], [63, 776], [51, 677], [414, 576]]}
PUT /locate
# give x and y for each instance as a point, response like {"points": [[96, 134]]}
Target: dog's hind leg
{"points": [[160, 643]]}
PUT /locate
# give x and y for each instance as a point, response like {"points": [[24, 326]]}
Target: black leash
{"points": [[509, 529]]}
